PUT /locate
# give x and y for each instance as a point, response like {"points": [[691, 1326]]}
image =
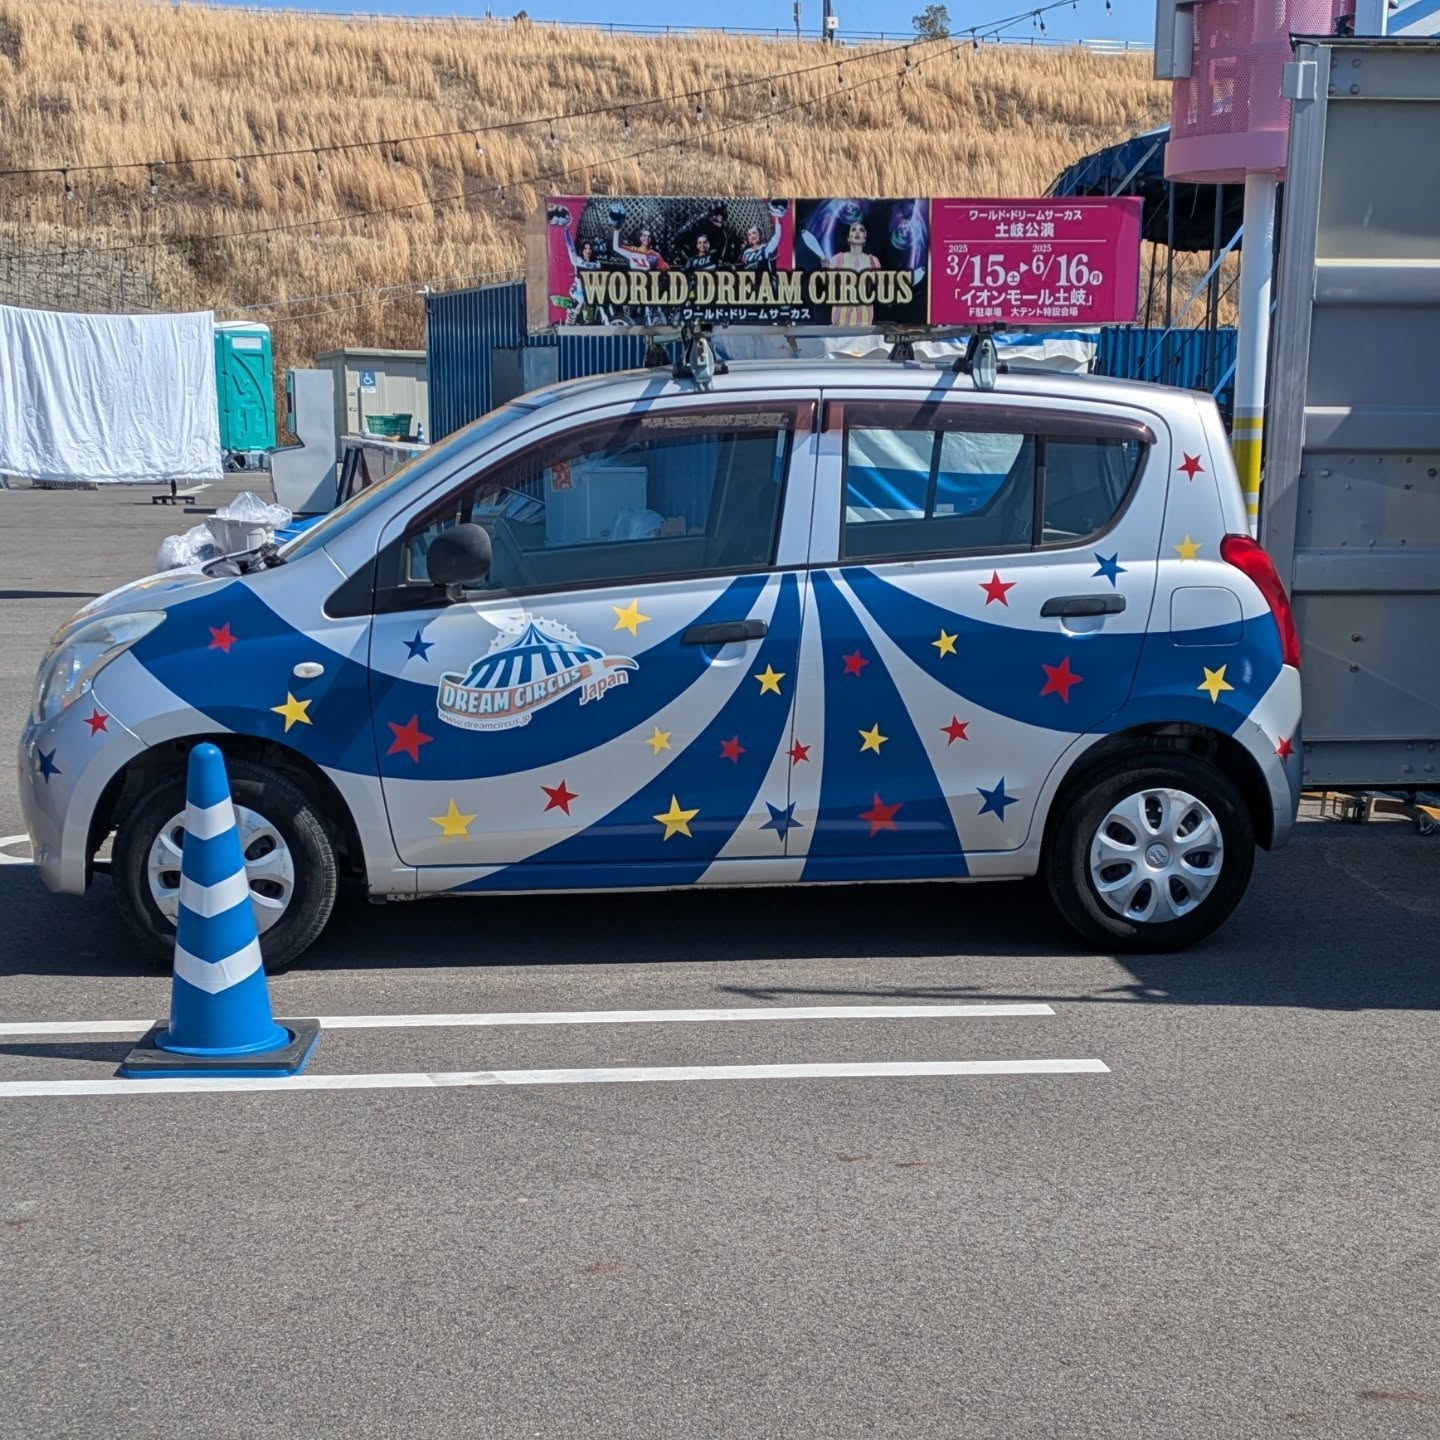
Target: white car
{"points": [[816, 624]]}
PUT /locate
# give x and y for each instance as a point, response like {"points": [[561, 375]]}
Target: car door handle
{"points": [[725, 632], [1070, 606]]}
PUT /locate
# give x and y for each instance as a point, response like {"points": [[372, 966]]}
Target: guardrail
{"points": [[1098, 45]]}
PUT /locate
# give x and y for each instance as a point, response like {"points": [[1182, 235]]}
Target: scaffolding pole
{"points": [[1253, 336]]}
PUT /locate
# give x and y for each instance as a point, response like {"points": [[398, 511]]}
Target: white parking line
{"points": [[899, 1069], [579, 1017]]}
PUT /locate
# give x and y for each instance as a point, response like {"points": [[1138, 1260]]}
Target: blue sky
{"points": [[1132, 20]]}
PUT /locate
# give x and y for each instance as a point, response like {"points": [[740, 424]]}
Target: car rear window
{"points": [[942, 480]]}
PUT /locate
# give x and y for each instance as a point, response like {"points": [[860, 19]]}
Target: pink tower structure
{"points": [[1229, 125]]}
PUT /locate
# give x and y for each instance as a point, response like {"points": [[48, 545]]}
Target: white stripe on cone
{"points": [[213, 976], [205, 822], [208, 901]]}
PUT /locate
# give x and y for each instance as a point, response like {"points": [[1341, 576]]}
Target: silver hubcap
{"points": [[1156, 855], [268, 866]]}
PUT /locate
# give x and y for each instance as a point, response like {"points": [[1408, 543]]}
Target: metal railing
{"points": [[1099, 45]]}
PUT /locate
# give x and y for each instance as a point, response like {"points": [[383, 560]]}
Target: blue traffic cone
{"points": [[220, 1020]]}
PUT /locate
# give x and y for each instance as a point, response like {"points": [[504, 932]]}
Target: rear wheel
{"points": [[1152, 855], [289, 861]]}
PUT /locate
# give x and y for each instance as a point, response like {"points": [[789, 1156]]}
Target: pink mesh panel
{"points": [[1228, 117]]}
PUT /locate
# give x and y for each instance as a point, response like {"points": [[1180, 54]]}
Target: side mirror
{"points": [[460, 556]]}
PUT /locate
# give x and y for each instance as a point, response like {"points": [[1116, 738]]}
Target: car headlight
{"points": [[76, 657]]}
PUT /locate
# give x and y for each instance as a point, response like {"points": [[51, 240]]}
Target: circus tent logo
{"points": [[527, 667]]}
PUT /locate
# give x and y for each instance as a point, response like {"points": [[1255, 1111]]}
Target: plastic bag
{"points": [[250, 508], [636, 524], [193, 548]]}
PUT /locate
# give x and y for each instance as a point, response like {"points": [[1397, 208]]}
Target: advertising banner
{"points": [[1035, 262], [603, 262], [617, 262]]}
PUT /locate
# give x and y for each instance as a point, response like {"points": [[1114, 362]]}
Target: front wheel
{"points": [[289, 861], [1152, 855]]}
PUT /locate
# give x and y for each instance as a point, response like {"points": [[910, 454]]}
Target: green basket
{"points": [[392, 427]]}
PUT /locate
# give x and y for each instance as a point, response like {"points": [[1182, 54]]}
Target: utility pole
{"points": [[797, 19], [828, 24]]}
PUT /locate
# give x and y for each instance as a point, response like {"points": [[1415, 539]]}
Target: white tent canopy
{"points": [[108, 397]]}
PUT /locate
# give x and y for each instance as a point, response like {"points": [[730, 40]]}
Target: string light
{"points": [[627, 122], [319, 165], [154, 185], [553, 140], [395, 153], [479, 148], [1042, 27], [909, 66], [839, 75], [239, 174], [69, 188]]}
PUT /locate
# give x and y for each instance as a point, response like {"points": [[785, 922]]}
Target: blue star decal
{"points": [[1109, 568], [418, 648], [781, 820], [995, 800], [48, 767]]}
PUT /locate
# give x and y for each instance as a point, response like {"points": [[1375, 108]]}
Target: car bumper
{"points": [[64, 767], [1272, 736]]}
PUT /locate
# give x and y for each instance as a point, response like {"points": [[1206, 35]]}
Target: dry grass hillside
{"points": [[88, 82]]}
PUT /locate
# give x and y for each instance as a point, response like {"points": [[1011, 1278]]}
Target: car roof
{"points": [[908, 377]]}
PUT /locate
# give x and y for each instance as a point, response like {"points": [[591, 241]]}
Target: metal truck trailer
{"points": [[1351, 509]]}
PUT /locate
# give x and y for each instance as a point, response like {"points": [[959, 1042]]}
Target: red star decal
{"points": [[798, 752], [732, 750], [96, 721], [1059, 678], [995, 588], [1192, 466], [408, 738], [560, 797], [1284, 749], [880, 815], [855, 663], [221, 639], [955, 730]]}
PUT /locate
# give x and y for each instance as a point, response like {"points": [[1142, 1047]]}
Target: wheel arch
{"points": [[1226, 753], [142, 772]]}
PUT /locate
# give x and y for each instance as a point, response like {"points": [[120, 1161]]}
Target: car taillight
{"points": [[1249, 556]]}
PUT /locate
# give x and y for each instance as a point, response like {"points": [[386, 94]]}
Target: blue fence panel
{"points": [[1191, 359], [463, 328]]}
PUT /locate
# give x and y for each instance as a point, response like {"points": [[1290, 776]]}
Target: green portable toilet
{"points": [[245, 385]]}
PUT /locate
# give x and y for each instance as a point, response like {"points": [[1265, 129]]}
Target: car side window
{"points": [[936, 480], [1086, 481], [635, 498]]}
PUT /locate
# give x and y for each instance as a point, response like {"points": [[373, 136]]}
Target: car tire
{"points": [[1147, 794], [283, 806]]}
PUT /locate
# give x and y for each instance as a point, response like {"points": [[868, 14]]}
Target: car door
{"points": [[981, 579], [609, 707]]}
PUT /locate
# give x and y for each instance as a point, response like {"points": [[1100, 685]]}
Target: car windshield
{"points": [[435, 458]]}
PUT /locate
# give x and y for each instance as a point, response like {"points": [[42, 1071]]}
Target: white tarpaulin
{"points": [[108, 397]]}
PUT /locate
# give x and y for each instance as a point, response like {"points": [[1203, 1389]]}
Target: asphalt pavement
{"points": [[1228, 1229]]}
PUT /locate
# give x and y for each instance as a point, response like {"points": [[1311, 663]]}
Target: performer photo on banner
{"points": [[883, 244], [658, 262]]}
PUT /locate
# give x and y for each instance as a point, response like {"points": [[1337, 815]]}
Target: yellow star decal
{"points": [[1187, 549], [453, 825], [1213, 683], [945, 644], [294, 711], [659, 741], [769, 679], [677, 821], [872, 739], [629, 618]]}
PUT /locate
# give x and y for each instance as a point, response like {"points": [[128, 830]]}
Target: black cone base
{"points": [[147, 1058]]}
